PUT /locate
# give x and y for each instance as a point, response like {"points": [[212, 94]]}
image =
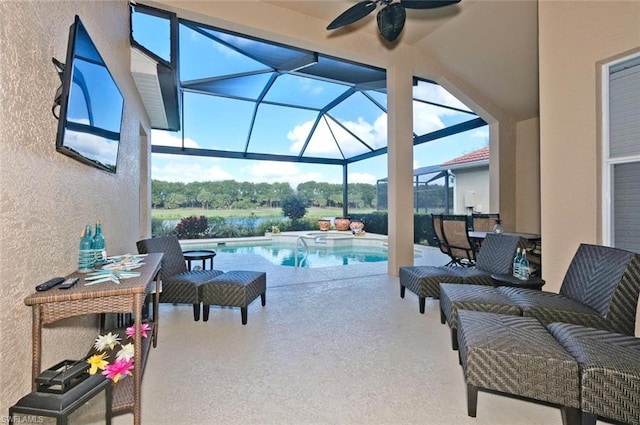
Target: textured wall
{"points": [[45, 197], [574, 38], [474, 180]]}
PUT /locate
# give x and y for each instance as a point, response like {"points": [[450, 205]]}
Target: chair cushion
{"points": [[455, 297], [474, 276], [235, 288], [609, 367], [424, 281], [516, 355], [184, 287], [550, 307]]}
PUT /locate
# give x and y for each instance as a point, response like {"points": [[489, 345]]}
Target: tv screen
{"points": [[91, 104]]}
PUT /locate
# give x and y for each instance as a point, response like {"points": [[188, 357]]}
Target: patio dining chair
{"points": [[436, 219], [484, 222], [179, 285], [456, 235]]}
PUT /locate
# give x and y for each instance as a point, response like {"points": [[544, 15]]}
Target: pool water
{"points": [[284, 255]]}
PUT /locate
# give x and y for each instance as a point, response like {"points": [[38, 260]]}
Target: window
{"points": [[621, 153]]}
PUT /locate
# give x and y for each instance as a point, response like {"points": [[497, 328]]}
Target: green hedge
{"points": [[422, 226], [375, 222]]}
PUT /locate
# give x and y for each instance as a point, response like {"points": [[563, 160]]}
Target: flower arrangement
{"points": [[122, 366]]}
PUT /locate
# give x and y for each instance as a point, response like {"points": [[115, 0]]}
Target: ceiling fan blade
{"points": [[427, 4], [353, 14], [391, 21]]}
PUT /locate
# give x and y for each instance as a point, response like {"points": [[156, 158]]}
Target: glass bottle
{"points": [[85, 251], [516, 263], [524, 266], [100, 252], [497, 228]]}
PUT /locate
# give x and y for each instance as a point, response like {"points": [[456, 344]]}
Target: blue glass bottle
{"points": [[100, 252], [524, 266], [516, 263], [85, 251]]}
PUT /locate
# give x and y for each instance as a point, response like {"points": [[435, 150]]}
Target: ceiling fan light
{"points": [[391, 21]]}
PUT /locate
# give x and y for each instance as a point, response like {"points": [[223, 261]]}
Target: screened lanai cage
{"points": [[216, 95], [432, 191]]}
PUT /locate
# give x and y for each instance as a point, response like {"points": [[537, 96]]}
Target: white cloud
{"points": [[426, 118], [324, 140], [438, 94], [165, 138], [362, 178], [482, 133], [179, 168], [278, 172]]}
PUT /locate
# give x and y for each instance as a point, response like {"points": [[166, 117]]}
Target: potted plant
{"points": [[324, 224], [342, 223]]}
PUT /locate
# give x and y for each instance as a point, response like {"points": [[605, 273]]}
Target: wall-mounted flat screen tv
{"points": [[91, 105]]}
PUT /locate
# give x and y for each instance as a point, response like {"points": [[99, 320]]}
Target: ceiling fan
{"points": [[392, 16]]}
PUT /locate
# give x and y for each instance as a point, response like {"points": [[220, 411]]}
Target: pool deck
{"points": [[287, 275]]}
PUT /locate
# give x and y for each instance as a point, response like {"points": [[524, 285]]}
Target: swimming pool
{"points": [[318, 249]]}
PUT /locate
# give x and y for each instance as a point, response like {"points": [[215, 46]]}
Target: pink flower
{"points": [[118, 369], [131, 330]]}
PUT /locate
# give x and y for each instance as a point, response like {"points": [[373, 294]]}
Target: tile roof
{"points": [[479, 155]]}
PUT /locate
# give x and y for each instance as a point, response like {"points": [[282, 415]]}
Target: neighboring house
{"points": [[471, 181], [469, 176]]}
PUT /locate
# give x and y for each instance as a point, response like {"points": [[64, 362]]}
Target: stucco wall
{"points": [[474, 180], [574, 38], [46, 197]]}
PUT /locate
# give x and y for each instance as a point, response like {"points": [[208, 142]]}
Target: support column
{"points": [[400, 164], [345, 191], [502, 169]]}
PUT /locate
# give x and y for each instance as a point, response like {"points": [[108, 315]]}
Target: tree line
{"points": [[231, 194]]}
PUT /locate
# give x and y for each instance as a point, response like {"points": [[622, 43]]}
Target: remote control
{"points": [[50, 284], [68, 283]]}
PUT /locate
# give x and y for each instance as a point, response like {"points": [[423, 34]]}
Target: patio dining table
{"points": [[529, 237]]}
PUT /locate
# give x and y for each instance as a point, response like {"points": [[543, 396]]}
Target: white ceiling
{"points": [[489, 45]]}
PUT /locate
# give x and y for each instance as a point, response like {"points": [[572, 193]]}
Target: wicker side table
{"points": [[126, 297]]}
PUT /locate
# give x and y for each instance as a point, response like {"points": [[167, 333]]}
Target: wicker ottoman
{"points": [[517, 356], [424, 280], [454, 297], [609, 371], [235, 289]]}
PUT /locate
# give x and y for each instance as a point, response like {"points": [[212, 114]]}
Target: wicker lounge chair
{"points": [[600, 290], [609, 371], [588, 373], [517, 356], [495, 257], [179, 285]]}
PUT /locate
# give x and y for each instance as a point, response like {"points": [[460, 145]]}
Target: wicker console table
{"points": [[126, 297]]}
